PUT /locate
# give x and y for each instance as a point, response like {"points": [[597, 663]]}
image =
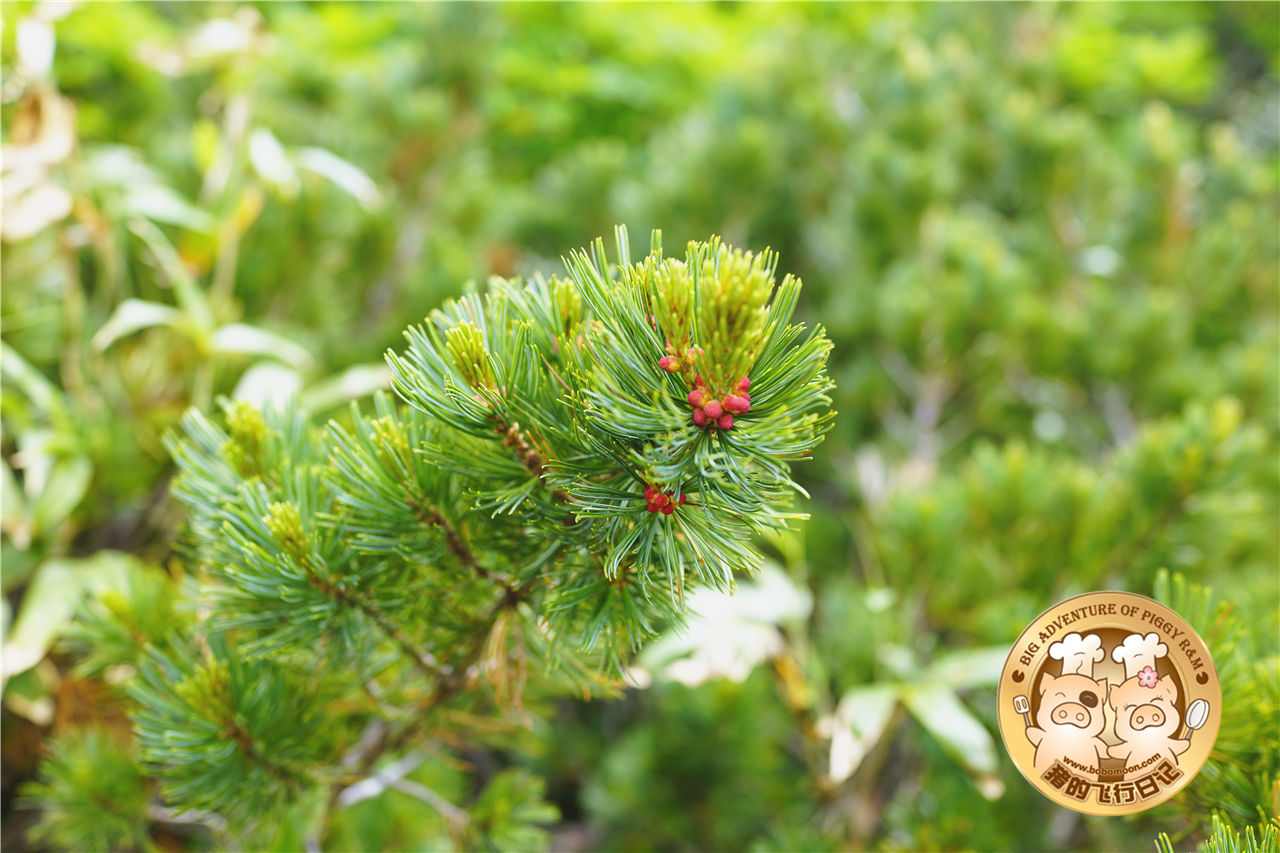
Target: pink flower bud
{"points": [[737, 405], [699, 417], [698, 398], [725, 422], [713, 409], [744, 384], [669, 363]]}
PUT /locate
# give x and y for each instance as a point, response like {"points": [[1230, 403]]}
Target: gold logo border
{"points": [[1063, 618]]}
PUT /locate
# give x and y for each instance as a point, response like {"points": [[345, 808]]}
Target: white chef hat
{"points": [[1138, 652], [1078, 653]]}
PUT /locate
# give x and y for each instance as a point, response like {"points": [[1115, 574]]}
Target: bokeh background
{"points": [[1043, 238]]}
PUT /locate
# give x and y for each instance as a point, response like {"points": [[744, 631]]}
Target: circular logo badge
{"points": [[1109, 703]]}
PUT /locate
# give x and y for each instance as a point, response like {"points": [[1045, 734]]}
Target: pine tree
{"points": [[566, 461]]}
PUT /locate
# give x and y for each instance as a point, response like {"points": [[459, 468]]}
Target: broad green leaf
{"points": [[40, 391], [29, 213], [35, 457], [13, 514], [271, 161], [17, 563], [968, 668], [117, 165], [161, 204], [267, 383], [68, 480], [351, 384], [859, 722], [191, 299], [961, 736], [134, 315], [773, 597], [727, 634], [51, 599], [30, 696], [345, 175], [243, 339]]}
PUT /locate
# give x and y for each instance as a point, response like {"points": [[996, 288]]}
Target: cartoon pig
{"points": [[1146, 718], [1071, 715], [1069, 721]]}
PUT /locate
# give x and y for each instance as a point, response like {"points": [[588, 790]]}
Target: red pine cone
{"points": [[713, 409], [700, 417], [669, 363], [660, 501], [736, 404], [725, 422], [698, 398], [744, 384]]}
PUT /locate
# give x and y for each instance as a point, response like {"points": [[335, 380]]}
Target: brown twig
{"points": [[447, 686], [420, 658], [535, 461]]}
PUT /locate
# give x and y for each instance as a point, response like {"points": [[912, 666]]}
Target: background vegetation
{"points": [[1043, 239]]}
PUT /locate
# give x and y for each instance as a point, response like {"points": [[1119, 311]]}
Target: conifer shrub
{"points": [[566, 461]]}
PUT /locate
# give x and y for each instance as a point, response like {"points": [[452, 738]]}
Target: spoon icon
{"points": [[1197, 715]]}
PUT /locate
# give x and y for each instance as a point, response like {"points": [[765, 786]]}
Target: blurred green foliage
{"points": [[1043, 238]]}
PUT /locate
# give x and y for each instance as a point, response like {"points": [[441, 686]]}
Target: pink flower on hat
{"points": [[1147, 677]]}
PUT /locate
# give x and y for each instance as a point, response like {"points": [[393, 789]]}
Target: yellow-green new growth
{"points": [[674, 307], [285, 523], [466, 345], [209, 686], [392, 443], [568, 304], [733, 290], [247, 432]]}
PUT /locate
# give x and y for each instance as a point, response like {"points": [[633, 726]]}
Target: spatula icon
{"points": [[1023, 707]]}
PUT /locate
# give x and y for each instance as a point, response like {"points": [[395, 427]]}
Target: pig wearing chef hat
{"points": [[1070, 716], [1146, 718]]}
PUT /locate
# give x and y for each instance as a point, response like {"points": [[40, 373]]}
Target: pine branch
{"points": [[446, 687], [517, 440], [230, 730], [420, 658], [1175, 507], [571, 458], [215, 823], [432, 517], [192, 705]]}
